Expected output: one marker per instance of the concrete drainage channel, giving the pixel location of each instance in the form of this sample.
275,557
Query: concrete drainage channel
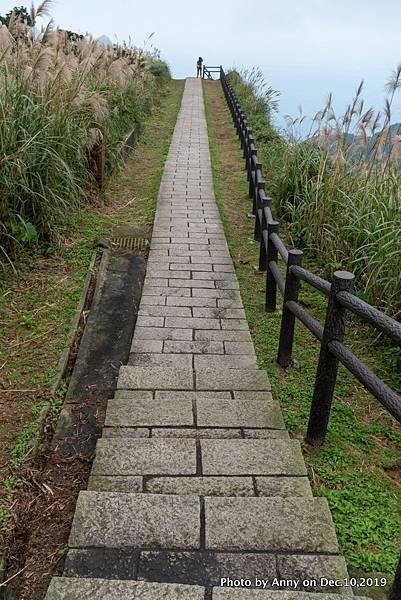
104,348
105,322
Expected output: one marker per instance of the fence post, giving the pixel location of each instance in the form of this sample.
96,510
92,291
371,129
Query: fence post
395,593
235,107
334,329
287,329
272,255
245,144
258,204
248,135
97,161
263,233
251,171
257,186
241,128
249,162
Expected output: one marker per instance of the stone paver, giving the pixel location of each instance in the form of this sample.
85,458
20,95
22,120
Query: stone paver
68,588
206,568
102,563
145,412
195,477
119,483
126,432
167,361
252,457
239,361
270,524
266,434
239,412
201,486
198,433
194,347
153,378
119,520
238,594
144,456
312,567
231,379
283,486
160,333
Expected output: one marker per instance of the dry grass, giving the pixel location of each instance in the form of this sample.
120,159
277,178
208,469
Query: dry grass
338,186
59,96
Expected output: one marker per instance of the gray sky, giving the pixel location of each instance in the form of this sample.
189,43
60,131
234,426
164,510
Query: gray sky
305,49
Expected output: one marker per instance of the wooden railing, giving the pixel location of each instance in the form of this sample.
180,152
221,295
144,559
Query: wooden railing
272,251
207,71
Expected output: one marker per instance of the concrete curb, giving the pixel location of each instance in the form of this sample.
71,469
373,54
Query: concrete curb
63,361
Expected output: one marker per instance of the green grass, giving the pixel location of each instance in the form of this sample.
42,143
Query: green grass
353,470
37,303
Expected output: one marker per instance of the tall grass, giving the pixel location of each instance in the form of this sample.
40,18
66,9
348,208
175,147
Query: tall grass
59,96
339,188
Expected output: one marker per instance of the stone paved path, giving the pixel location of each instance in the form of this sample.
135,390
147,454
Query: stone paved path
195,477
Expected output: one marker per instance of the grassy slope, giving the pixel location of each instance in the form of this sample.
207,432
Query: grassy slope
358,469
36,306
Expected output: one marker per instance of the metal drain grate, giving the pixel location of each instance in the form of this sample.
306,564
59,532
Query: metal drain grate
130,243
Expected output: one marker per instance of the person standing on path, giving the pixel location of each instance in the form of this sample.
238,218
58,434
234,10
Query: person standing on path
199,67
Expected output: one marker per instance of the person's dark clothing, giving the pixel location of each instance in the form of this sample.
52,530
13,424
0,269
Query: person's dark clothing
199,67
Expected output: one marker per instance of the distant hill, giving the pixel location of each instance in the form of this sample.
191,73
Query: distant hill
358,149
103,40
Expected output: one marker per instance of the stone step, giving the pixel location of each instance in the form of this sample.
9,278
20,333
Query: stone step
221,457
75,588
151,378
167,361
205,568
241,594
173,522
203,486
252,457
245,410
145,412
193,432
297,525
69,588
231,379
130,456
146,521
204,378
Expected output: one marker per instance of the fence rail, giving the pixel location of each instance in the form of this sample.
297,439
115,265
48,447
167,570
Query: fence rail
340,301
207,71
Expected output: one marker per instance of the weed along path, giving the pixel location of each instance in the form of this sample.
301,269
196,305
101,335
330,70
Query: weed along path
195,482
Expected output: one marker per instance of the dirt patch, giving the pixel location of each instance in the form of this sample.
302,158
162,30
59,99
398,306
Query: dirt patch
395,474
44,512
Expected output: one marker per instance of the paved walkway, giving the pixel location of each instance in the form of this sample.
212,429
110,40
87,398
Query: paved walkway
195,477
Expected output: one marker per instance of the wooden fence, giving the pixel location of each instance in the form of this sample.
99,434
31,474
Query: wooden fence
272,251
207,72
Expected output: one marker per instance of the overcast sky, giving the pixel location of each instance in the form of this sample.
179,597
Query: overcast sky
304,48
